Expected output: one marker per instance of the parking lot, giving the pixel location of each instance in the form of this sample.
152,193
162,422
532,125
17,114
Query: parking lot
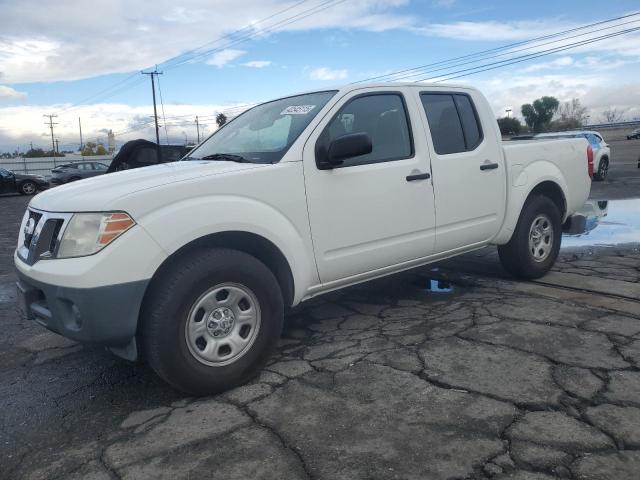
450,371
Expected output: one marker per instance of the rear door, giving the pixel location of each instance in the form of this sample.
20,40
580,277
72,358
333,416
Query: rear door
374,210
468,167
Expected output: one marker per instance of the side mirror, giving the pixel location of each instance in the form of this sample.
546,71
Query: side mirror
348,146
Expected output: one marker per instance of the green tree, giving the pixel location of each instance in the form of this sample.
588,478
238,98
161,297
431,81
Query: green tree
509,126
89,149
538,115
34,153
100,150
221,119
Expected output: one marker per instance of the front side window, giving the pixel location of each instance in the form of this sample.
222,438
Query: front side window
453,122
264,133
381,116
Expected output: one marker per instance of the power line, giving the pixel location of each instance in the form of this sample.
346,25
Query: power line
113,90
270,29
230,34
104,93
523,58
164,119
496,49
511,52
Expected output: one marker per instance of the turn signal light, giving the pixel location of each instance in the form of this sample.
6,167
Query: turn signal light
113,226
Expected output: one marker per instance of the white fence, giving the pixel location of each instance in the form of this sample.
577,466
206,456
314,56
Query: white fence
43,165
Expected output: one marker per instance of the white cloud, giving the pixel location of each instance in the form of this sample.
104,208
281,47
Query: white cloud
257,63
492,30
221,58
595,91
130,37
324,73
8,93
19,124
444,3
550,65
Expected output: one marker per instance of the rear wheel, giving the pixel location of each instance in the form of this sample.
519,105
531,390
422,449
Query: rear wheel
28,187
603,169
535,243
212,320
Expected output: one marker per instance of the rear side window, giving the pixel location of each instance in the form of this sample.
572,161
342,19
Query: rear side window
453,122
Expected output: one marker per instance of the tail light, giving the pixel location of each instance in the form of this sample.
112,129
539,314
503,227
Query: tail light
590,161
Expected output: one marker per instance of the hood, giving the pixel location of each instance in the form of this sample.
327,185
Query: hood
27,176
96,193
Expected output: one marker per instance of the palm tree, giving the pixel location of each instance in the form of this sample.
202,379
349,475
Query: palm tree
221,119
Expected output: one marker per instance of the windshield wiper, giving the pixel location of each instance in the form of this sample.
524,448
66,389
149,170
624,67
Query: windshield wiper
226,157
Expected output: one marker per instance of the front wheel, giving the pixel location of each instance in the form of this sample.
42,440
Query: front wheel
28,188
211,321
535,243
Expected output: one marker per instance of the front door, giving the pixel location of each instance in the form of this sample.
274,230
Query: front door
374,210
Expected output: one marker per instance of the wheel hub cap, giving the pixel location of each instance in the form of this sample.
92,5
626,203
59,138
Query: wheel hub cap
541,238
220,322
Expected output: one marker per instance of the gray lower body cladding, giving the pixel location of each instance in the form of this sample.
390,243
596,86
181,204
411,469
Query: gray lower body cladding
106,315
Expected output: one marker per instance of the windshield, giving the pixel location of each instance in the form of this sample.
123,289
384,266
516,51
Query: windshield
264,133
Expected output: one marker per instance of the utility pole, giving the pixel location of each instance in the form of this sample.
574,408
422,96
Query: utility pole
508,110
153,92
51,123
80,125
198,128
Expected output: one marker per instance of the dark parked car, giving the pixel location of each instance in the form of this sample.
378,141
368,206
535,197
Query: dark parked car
142,153
23,183
634,134
71,172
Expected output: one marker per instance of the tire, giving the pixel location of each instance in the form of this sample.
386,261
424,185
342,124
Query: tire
603,170
517,256
188,326
28,188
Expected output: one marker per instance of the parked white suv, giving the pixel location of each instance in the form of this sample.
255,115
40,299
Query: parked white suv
601,150
193,264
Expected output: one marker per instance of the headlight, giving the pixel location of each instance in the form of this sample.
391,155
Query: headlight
88,233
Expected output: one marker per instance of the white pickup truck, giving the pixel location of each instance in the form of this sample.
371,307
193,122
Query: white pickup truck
192,264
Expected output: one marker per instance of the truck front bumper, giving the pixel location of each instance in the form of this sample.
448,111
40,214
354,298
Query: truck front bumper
106,315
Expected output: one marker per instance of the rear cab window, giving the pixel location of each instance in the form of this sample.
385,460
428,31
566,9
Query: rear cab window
453,122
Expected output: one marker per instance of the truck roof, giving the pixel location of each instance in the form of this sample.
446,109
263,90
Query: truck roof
356,86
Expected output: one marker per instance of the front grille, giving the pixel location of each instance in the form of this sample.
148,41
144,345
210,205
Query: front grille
41,240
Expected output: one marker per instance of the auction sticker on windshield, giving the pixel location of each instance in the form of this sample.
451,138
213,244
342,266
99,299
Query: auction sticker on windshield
297,110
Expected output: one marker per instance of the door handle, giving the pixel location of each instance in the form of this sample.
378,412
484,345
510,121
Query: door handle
489,166
418,176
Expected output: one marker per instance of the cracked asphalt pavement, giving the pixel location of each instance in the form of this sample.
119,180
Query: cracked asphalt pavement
489,378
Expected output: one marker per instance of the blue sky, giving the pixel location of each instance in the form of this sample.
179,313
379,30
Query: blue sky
52,66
